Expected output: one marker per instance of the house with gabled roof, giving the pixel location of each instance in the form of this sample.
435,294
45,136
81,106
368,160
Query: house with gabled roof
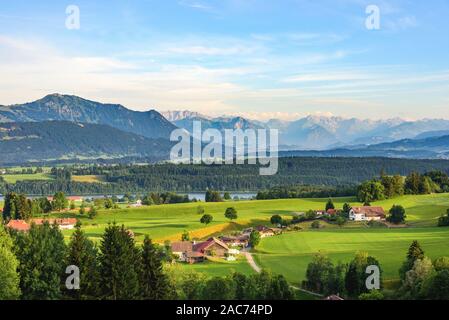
212,247
367,213
18,225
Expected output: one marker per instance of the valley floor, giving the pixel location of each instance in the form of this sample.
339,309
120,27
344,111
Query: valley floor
289,253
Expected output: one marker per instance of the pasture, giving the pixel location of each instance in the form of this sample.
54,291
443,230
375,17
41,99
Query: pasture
13,178
168,222
289,254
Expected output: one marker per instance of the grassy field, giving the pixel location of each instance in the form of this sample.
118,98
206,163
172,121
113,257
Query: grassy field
220,267
168,222
88,179
289,254
13,178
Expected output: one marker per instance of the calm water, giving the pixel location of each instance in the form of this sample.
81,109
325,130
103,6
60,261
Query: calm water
197,195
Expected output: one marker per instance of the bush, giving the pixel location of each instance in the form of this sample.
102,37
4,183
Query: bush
316,225
373,295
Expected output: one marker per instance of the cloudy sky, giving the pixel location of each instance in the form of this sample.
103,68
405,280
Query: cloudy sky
259,58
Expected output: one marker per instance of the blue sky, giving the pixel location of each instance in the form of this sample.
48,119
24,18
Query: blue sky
261,59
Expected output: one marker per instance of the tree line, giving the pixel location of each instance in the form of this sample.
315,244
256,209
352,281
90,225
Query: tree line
420,277
323,172
415,183
33,266
19,207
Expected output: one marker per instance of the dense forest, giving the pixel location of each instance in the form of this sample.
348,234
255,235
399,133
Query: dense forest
323,172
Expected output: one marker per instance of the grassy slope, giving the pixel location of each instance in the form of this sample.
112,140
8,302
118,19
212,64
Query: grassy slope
290,253
167,222
13,178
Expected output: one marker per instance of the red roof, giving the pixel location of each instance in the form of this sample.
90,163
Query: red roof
370,211
331,211
19,225
202,246
184,246
59,222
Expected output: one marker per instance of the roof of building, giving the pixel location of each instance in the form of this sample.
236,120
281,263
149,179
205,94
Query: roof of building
19,225
331,211
370,211
59,222
182,246
243,237
200,247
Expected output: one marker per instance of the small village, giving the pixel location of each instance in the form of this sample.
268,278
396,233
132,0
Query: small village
228,247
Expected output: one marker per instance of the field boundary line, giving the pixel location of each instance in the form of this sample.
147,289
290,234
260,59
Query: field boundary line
255,267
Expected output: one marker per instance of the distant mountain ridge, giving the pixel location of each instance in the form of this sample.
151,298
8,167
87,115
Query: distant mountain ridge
313,132
59,107
64,140
316,132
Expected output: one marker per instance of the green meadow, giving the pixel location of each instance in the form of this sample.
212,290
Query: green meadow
168,222
289,253
13,178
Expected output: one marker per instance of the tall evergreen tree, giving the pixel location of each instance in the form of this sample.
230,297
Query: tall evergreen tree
355,279
41,255
154,283
9,277
330,204
120,264
415,252
83,254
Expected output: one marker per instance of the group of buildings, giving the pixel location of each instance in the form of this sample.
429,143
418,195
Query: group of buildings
225,247
364,213
24,226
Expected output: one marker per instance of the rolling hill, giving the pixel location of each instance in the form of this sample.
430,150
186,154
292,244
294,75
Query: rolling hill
64,140
150,124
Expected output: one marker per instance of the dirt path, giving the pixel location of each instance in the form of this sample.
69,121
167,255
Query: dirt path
252,263
255,267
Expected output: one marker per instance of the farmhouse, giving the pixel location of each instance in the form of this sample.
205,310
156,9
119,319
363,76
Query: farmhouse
236,241
268,232
367,214
22,225
212,247
64,224
180,249
192,252
18,225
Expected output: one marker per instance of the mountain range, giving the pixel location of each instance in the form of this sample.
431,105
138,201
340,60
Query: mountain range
111,130
322,132
70,141
150,124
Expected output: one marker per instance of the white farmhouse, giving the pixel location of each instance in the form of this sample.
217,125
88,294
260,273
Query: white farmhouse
367,214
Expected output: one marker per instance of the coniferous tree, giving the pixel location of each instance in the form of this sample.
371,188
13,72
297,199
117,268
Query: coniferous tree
330,204
154,283
41,255
415,252
9,277
119,265
83,254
